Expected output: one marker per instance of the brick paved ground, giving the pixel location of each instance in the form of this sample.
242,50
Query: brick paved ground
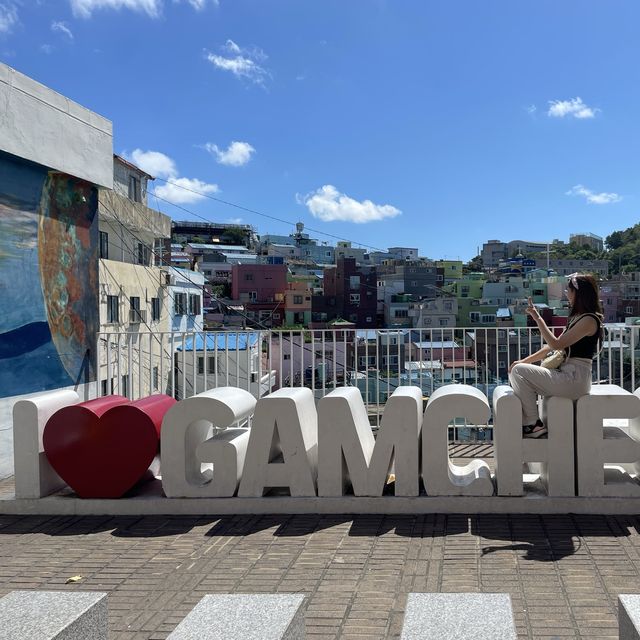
563,572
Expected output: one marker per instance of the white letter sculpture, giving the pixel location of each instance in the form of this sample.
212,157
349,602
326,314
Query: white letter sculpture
440,476
285,422
34,476
555,454
185,444
597,445
348,452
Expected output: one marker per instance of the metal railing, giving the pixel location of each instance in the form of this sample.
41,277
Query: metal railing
376,361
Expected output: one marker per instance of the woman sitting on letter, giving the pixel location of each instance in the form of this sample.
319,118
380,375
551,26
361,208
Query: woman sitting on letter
579,341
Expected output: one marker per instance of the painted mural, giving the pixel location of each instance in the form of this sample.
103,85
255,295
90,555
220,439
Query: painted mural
48,278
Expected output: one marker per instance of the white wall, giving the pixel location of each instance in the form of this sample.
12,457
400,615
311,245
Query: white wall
40,125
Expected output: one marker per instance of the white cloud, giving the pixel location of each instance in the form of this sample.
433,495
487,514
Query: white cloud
593,198
199,5
232,47
154,163
531,109
574,108
84,8
234,220
62,27
8,17
328,204
236,155
176,190
242,62
182,190
46,49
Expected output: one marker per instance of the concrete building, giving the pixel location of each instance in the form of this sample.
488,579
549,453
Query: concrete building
415,278
55,155
314,359
492,252
396,311
599,268
345,250
212,233
591,240
260,288
297,303
221,359
452,270
133,297
403,253
185,302
350,293
434,312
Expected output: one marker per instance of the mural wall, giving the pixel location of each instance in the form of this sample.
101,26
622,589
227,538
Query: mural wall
48,278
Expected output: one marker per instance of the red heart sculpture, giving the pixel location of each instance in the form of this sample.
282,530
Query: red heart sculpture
101,448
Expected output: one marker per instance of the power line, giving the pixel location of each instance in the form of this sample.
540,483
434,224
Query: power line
254,211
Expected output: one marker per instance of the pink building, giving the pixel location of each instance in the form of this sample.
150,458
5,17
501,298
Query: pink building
610,298
261,288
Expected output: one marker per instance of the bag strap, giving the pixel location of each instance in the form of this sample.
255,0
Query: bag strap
600,327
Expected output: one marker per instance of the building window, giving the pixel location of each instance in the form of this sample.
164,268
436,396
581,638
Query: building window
444,322
524,351
156,378
354,298
253,296
286,356
501,364
125,386
248,277
354,282
135,315
143,254
502,347
488,318
194,304
180,304
439,278
134,189
104,245
113,315
474,316
297,299
401,313
628,309
212,365
107,387
368,319
155,309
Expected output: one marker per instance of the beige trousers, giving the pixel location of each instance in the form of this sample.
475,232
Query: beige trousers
571,380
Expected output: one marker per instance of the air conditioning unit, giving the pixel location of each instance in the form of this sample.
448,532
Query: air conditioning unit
137,316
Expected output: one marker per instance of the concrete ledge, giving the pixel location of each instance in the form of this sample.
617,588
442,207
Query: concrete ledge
49,615
140,506
629,617
244,617
458,616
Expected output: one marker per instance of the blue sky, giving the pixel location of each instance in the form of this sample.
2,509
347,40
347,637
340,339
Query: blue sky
436,124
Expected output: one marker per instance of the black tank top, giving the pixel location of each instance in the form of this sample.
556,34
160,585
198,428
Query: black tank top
586,347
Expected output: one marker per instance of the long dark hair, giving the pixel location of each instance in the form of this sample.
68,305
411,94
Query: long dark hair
587,296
